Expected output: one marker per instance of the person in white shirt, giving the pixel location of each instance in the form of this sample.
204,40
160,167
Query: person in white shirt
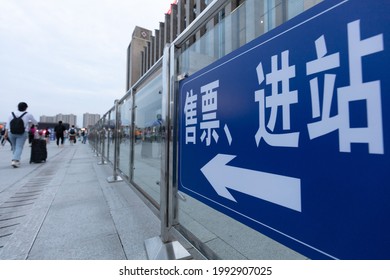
19,138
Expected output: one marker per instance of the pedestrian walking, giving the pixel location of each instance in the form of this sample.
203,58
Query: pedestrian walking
72,135
84,135
3,139
59,130
17,131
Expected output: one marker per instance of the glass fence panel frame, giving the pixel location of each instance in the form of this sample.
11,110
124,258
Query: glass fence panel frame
100,137
147,144
105,135
111,136
125,135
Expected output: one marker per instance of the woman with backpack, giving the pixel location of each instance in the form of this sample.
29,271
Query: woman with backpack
17,131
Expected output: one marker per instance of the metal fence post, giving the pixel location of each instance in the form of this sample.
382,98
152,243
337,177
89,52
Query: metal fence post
163,247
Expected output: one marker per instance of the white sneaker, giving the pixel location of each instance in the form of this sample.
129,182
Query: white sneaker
15,163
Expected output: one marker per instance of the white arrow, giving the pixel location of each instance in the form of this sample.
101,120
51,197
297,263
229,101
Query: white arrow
278,189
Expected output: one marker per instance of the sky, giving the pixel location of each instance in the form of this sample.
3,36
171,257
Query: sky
68,56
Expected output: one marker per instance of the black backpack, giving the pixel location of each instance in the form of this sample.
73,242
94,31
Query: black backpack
17,124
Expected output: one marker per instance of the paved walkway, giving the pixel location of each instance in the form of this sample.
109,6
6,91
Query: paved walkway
65,209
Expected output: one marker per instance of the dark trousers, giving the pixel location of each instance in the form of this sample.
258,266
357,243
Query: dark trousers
30,137
60,136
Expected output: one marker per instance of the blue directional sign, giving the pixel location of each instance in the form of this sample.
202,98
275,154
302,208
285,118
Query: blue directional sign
290,134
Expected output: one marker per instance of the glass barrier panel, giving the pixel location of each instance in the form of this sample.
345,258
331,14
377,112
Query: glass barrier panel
96,136
102,138
125,136
147,138
107,132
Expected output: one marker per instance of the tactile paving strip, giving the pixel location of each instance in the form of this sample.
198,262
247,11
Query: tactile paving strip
15,210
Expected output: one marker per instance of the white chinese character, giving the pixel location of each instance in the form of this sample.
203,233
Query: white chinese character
370,92
209,107
283,99
357,91
191,119
327,123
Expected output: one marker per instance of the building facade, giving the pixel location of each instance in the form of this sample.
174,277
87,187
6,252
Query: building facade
90,119
65,118
235,27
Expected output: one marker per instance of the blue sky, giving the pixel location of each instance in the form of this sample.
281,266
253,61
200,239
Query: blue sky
68,56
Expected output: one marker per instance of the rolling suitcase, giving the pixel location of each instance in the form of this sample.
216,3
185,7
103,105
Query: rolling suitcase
38,151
